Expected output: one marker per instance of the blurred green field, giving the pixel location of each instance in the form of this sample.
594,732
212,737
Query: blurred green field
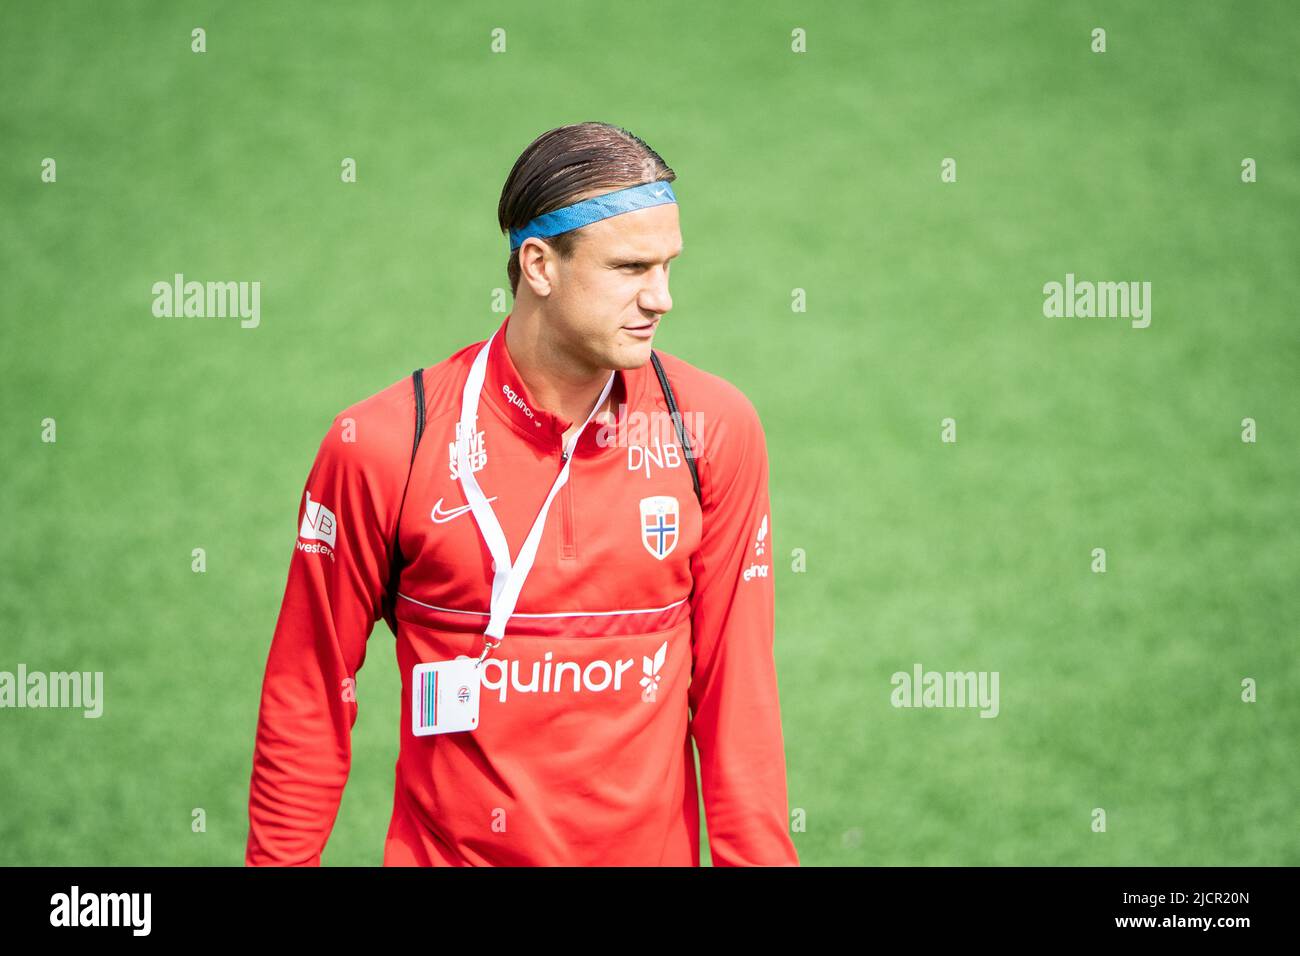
816,171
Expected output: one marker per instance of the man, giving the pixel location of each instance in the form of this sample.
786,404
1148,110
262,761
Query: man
569,614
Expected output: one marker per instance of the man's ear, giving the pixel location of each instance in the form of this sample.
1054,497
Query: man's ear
537,266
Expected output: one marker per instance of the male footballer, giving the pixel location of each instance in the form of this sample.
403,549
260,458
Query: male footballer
570,538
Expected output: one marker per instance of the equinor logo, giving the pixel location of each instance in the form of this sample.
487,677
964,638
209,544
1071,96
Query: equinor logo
513,398
549,676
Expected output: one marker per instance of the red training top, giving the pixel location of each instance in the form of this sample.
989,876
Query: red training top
640,605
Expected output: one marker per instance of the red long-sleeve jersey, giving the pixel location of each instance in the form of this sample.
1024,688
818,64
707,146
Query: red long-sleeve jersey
647,620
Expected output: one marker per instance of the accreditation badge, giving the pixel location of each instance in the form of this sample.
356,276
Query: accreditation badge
444,697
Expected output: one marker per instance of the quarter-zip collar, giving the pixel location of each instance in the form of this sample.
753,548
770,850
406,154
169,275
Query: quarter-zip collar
505,391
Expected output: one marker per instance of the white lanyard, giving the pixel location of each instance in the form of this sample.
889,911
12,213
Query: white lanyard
509,578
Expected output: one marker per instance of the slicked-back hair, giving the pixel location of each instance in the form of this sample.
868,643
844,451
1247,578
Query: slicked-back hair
563,163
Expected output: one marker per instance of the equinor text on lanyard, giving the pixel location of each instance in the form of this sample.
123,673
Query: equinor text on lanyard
509,578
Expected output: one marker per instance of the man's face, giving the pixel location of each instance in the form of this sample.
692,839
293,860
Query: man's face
615,281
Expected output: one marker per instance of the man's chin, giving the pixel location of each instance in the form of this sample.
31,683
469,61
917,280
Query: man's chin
633,354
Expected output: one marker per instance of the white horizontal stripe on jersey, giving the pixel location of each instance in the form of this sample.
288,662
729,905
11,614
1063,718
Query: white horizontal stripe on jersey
452,610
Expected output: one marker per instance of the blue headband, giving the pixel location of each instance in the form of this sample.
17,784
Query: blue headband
593,210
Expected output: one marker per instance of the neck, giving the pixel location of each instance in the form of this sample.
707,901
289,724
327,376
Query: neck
559,382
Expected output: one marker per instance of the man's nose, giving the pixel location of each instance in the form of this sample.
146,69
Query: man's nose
655,296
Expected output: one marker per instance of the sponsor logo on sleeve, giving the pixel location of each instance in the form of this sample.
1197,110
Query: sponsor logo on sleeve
318,525
757,570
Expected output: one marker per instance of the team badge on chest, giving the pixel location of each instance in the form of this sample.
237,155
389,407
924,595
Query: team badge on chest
659,525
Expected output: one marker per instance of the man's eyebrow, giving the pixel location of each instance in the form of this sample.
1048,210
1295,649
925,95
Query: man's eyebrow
634,261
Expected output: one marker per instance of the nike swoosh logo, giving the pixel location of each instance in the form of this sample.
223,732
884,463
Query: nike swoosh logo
442,517
660,192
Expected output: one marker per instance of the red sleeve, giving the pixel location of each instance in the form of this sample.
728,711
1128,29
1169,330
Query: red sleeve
736,716
333,597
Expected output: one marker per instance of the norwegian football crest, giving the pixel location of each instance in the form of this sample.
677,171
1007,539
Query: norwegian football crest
659,525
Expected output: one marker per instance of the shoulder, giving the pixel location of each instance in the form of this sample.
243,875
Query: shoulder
376,435
372,433
716,407
724,427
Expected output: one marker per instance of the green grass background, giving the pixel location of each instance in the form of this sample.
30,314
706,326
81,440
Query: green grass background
817,171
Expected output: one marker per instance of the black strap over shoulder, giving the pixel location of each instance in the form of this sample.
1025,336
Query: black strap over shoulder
395,560
417,384
677,422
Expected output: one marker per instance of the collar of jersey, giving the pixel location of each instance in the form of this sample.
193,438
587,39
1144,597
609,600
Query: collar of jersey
522,413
